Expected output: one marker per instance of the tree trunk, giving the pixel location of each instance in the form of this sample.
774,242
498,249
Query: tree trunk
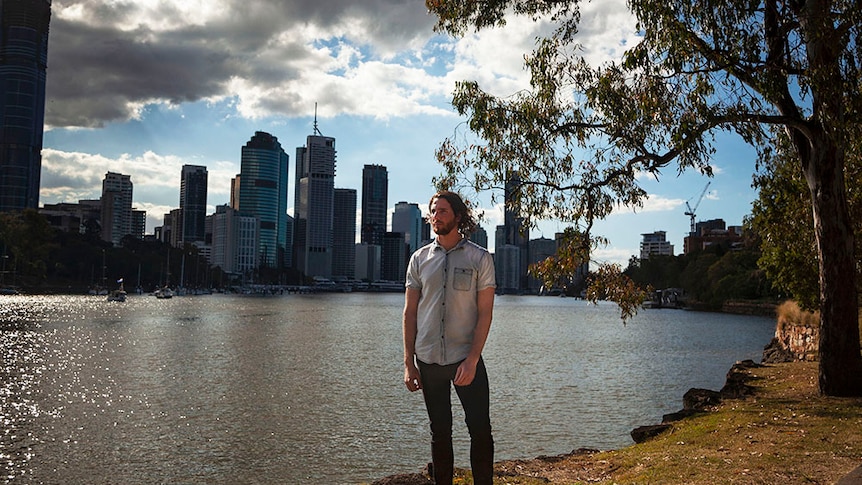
840,360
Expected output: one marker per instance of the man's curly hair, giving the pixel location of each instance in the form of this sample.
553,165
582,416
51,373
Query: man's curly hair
467,224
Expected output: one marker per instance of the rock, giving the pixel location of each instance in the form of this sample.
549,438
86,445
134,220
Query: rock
700,399
852,478
775,353
678,416
404,479
735,386
646,433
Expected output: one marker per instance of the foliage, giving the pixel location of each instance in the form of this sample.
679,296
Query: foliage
578,140
610,283
27,240
781,218
42,258
709,277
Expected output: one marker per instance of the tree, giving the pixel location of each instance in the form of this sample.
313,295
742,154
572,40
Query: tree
781,219
580,136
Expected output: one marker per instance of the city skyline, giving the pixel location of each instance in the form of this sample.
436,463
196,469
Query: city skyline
383,92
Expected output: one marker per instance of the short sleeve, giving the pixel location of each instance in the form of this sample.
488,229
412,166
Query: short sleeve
413,280
487,277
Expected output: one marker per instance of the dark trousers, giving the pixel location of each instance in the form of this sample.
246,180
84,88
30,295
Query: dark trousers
475,400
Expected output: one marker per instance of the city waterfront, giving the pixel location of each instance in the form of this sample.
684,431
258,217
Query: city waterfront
307,388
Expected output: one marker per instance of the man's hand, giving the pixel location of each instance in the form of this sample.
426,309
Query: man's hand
411,378
466,372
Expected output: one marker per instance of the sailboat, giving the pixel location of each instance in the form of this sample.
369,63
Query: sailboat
119,294
6,290
165,291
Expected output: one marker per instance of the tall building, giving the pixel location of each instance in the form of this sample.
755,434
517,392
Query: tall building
176,230
407,219
344,234
375,203
193,202
139,223
507,262
655,243
710,233
234,242
263,194
480,236
116,207
314,205
394,257
540,250
516,232
368,262
23,62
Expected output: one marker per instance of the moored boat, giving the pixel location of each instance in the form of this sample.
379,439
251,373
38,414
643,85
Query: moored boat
164,293
119,294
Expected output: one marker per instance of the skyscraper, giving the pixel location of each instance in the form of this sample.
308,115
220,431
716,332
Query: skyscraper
23,61
314,205
263,194
394,258
234,241
407,219
116,207
344,234
193,202
375,203
516,232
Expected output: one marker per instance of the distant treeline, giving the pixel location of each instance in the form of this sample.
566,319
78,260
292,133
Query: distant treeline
709,277
40,258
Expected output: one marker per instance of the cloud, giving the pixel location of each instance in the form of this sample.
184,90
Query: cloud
613,255
654,203
72,176
108,59
62,169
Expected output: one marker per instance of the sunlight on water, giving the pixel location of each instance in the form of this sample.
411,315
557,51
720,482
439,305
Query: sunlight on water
307,389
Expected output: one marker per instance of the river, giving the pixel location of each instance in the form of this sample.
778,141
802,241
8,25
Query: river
300,389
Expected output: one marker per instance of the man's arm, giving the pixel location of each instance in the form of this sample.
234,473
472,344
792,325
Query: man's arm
467,370
409,329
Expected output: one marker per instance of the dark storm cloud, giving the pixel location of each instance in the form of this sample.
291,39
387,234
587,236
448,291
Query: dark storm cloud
113,57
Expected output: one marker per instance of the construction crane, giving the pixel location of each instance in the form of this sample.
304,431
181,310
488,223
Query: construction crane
691,210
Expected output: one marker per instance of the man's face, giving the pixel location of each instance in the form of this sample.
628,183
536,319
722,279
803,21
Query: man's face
443,219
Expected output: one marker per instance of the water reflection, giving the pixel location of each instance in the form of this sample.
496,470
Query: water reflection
307,389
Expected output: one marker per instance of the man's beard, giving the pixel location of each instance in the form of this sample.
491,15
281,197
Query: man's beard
445,229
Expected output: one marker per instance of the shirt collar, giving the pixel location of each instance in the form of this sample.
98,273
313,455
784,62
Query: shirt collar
460,244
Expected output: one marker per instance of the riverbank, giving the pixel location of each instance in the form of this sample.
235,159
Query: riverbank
781,432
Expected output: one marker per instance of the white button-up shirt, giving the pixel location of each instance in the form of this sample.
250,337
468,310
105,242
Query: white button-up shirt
447,311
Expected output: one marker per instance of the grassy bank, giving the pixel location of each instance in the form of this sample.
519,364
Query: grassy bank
785,433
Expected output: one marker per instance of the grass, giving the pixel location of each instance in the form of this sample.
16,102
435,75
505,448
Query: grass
784,434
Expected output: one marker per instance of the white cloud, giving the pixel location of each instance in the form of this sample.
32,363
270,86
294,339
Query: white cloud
73,176
613,255
368,58
654,203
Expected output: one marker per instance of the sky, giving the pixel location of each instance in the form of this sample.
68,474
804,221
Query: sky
143,87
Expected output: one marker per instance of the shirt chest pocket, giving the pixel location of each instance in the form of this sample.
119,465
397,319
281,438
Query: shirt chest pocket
463,279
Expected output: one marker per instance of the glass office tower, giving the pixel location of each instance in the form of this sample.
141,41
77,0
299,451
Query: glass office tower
193,202
375,204
263,194
23,61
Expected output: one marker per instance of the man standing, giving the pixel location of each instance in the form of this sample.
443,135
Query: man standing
449,301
